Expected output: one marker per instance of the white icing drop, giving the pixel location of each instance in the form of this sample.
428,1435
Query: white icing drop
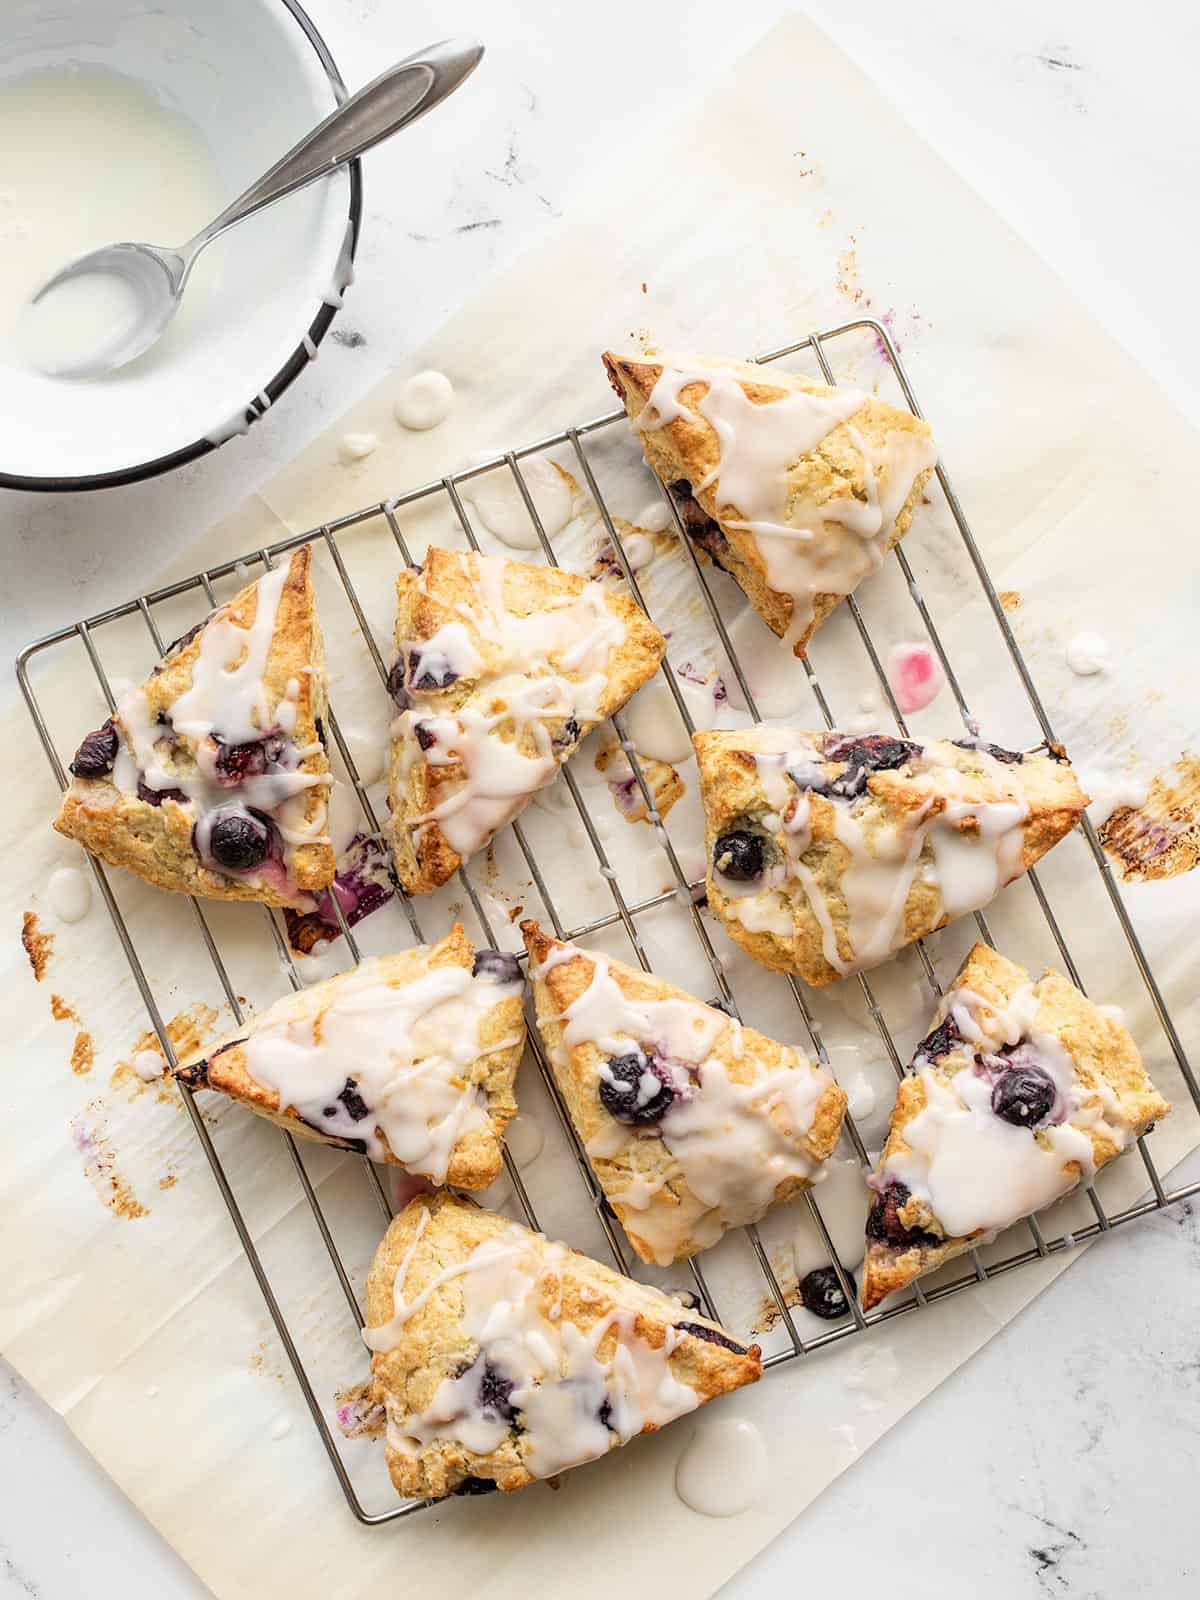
733,1143
561,1374
280,1428
499,506
860,1096
357,447
803,544
424,401
524,1139
409,1049
654,518
148,1064
723,1468
69,894
1087,654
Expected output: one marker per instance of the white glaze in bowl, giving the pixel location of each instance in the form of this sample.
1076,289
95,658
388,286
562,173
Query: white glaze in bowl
253,76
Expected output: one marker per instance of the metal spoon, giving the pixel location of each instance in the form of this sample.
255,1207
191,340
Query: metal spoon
158,276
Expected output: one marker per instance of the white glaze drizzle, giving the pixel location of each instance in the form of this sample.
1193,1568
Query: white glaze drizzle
424,401
408,1048
732,1143
976,1171
551,664
561,1374
802,543
69,894
723,1468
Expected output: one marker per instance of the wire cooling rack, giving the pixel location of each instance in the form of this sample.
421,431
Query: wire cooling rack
625,912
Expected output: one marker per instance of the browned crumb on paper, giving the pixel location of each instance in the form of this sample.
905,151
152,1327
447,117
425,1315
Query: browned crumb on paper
100,1166
848,282
168,1181
187,1031
1161,837
61,1010
1011,599
662,780
39,946
359,1414
83,1054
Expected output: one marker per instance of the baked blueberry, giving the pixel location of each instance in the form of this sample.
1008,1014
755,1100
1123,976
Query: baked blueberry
497,964
569,734
429,669
237,762
874,752
604,1415
883,1220
939,1042
822,1294
740,855
710,1336
184,639
625,1094
354,1103
96,754
155,797
426,737
320,727
495,1393
1024,1095
240,840
397,687
476,1486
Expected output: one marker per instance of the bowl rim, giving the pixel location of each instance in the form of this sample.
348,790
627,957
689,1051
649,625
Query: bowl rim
287,374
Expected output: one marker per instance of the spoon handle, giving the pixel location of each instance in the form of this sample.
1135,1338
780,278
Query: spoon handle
384,106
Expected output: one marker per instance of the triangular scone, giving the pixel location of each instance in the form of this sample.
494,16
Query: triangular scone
795,489
501,669
1020,1092
501,1357
692,1123
212,778
407,1058
828,852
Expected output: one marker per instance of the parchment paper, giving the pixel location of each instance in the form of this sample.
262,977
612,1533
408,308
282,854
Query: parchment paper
794,197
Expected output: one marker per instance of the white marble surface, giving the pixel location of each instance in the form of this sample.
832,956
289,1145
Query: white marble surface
1059,1461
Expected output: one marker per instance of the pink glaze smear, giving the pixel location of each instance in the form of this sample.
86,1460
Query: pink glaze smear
915,675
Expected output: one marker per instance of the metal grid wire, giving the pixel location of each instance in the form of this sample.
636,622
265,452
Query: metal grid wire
623,912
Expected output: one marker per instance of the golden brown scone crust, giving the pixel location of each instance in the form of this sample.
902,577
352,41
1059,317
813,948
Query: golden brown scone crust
688,448
431,597
434,1344
156,841
731,791
577,1073
478,1157
1104,1054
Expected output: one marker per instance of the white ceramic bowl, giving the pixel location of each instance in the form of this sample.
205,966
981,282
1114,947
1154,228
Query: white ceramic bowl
253,76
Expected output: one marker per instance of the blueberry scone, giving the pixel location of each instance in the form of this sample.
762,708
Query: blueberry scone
693,1123
406,1058
501,1357
501,669
797,490
1020,1092
211,778
828,852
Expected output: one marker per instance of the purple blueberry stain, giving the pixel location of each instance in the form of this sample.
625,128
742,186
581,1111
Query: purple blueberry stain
497,965
939,1042
711,1336
397,686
